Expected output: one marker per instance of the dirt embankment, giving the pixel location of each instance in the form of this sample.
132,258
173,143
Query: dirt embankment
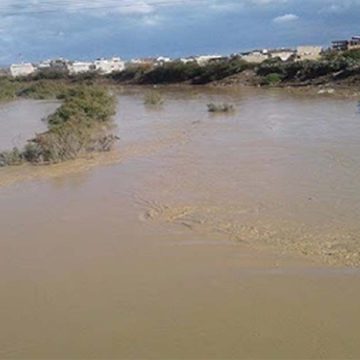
347,85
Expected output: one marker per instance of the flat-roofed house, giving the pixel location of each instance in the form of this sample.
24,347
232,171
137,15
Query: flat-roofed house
309,52
282,54
108,66
80,67
354,43
143,62
44,65
256,56
343,45
190,59
340,45
205,59
24,69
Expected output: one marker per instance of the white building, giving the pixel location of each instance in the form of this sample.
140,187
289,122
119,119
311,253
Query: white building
108,66
282,54
204,59
46,64
309,52
80,67
161,60
257,56
25,69
188,60
143,62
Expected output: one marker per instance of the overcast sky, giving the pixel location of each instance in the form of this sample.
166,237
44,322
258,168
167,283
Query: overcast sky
31,30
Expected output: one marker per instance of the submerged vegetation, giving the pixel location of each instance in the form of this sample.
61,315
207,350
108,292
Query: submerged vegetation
220,108
44,89
153,98
10,89
80,125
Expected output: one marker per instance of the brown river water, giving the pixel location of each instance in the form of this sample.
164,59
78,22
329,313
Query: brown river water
20,120
201,236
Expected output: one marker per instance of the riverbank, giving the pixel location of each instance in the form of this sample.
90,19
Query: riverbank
334,71
349,88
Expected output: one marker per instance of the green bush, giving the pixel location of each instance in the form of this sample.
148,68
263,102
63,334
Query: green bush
305,70
271,66
272,79
178,72
352,54
44,89
173,72
8,89
220,70
81,124
13,157
85,105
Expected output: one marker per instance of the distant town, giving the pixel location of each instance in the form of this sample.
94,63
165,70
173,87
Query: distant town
116,64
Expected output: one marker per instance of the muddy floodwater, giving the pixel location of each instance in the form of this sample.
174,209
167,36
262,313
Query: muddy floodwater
21,120
201,236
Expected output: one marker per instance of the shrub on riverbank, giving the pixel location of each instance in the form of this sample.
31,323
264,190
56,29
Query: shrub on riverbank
180,72
272,79
329,67
80,125
44,89
8,89
11,89
220,70
169,73
12,157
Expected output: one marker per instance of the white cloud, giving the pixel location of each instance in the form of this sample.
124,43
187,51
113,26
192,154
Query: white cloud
226,6
151,20
124,6
334,9
267,2
136,6
287,18
139,7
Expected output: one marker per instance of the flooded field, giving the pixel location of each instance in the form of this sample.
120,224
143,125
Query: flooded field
202,236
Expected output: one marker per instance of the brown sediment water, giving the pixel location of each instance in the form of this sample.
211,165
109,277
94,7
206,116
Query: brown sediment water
201,236
21,120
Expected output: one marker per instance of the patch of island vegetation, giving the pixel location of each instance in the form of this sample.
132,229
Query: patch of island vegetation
220,108
153,98
82,124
